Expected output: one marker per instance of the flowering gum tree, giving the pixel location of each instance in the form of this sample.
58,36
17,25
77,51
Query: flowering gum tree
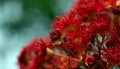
86,37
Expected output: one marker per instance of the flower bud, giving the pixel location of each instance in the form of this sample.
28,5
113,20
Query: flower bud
89,60
55,35
115,10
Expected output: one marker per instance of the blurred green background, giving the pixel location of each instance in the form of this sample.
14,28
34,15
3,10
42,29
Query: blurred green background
23,20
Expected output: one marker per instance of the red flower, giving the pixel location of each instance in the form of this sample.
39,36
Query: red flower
82,35
32,55
101,23
85,32
89,60
25,57
87,7
112,55
67,23
39,47
48,42
40,51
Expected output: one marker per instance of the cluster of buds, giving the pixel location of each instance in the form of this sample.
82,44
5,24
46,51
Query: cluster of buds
86,37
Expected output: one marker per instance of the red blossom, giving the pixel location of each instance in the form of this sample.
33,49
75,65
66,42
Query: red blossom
25,57
23,60
32,55
87,7
101,23
67,23
82,35
39,47
113,55
48,42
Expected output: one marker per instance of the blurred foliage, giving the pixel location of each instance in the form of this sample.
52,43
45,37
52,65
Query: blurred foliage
16,27
43,5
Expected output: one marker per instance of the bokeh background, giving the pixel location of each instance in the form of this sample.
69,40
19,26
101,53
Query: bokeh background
23,20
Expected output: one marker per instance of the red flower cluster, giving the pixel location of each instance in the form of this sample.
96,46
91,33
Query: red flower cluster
112,55
101,23
86,36
32,55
